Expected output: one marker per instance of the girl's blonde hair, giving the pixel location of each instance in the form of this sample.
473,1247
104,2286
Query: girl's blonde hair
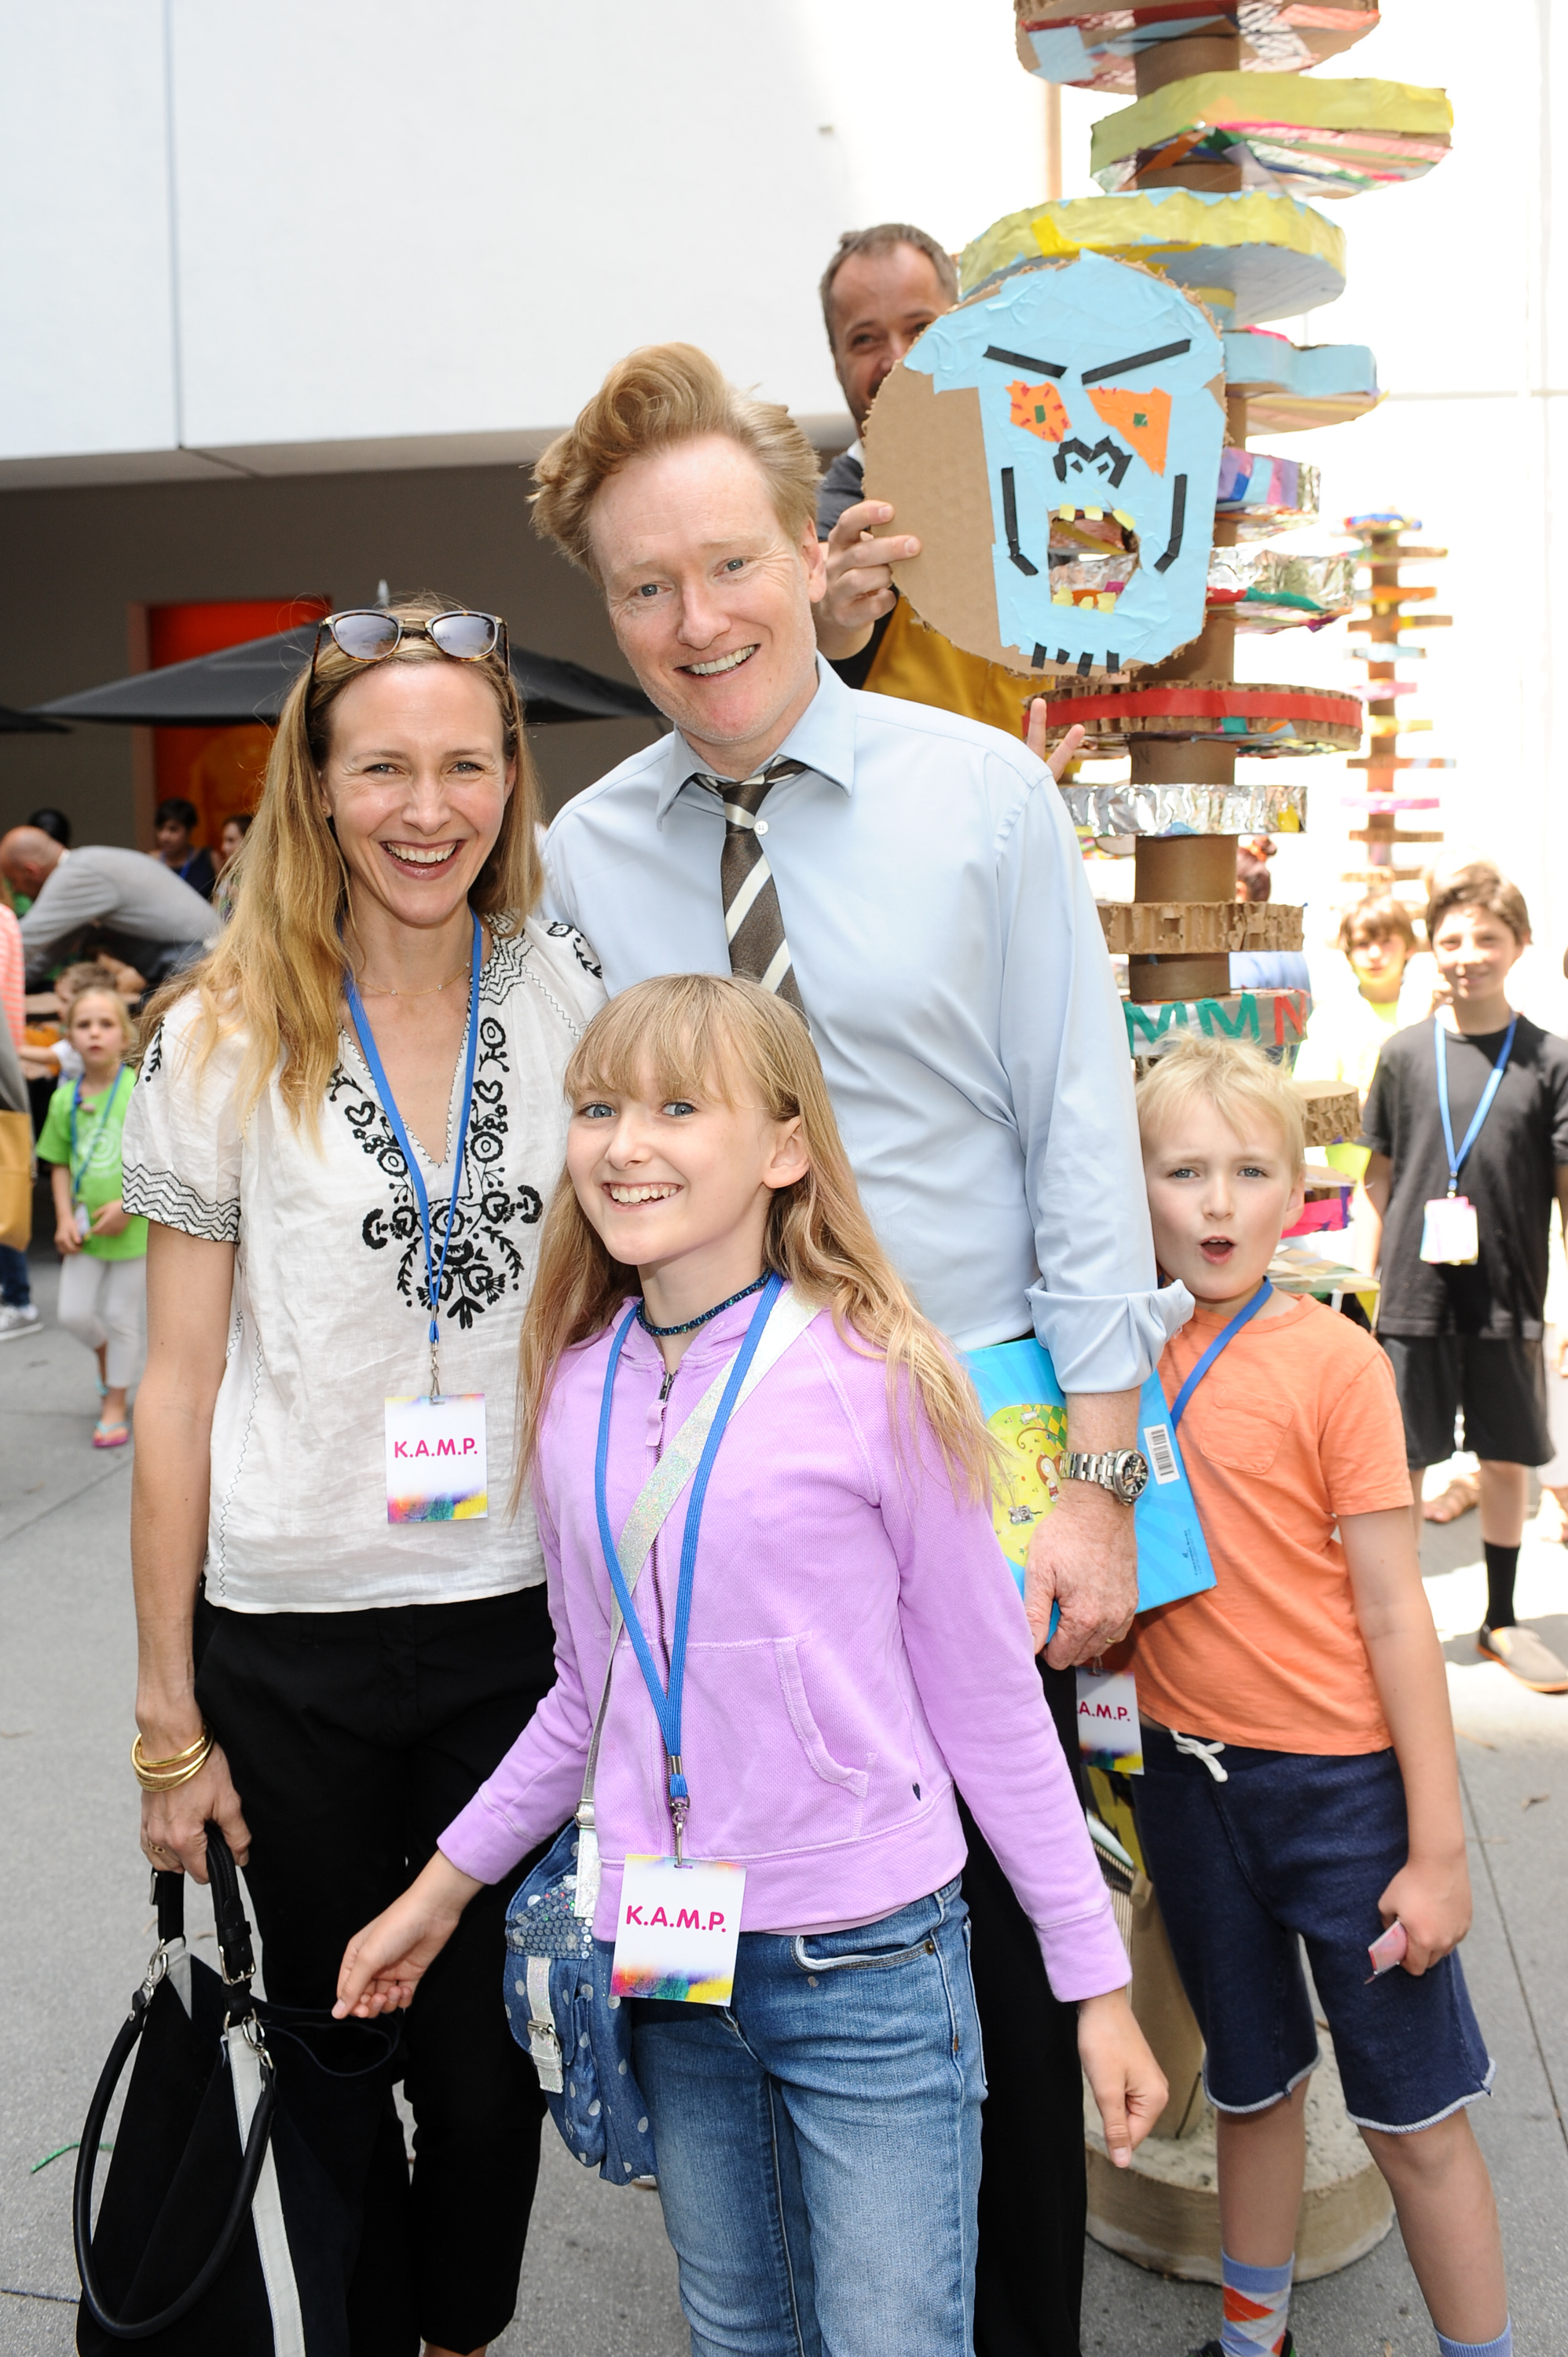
1236,1078
728,1038
275,972
121,1012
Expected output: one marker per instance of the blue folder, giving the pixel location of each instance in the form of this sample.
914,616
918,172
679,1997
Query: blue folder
1024,1406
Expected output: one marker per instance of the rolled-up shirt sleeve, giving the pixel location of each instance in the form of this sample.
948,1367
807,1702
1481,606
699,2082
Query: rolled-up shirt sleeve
1097,1307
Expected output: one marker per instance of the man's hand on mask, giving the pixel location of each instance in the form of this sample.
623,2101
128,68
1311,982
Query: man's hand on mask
860,578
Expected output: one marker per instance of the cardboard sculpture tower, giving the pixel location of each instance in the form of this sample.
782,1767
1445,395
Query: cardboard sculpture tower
1072,446
1389,793
1205,176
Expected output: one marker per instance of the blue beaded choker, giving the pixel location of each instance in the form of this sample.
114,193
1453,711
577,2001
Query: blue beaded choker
663,1333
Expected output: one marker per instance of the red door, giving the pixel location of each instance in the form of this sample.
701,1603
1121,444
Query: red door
218,769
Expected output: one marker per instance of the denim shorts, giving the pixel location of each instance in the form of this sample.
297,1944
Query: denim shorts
1298,1847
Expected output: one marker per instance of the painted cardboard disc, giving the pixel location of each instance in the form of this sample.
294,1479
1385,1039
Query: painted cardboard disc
1073,414
1290,388
1303,139
1250,255
1099,48
1255,720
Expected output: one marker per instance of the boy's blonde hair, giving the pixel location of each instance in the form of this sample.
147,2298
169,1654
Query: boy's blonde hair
655,400
725,1037
1237,1079
121,1012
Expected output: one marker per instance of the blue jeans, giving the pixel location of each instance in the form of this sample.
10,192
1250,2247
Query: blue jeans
818,2141
15,1284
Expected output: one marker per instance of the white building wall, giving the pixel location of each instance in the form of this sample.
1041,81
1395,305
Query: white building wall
395,225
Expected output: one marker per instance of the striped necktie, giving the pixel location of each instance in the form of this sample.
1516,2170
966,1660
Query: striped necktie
754,925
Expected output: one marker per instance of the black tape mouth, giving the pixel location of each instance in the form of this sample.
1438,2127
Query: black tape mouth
1093,555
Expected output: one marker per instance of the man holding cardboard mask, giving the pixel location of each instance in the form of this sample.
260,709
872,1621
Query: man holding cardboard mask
882,289
912,883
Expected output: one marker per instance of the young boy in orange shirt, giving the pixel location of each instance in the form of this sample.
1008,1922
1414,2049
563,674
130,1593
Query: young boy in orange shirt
1299,1772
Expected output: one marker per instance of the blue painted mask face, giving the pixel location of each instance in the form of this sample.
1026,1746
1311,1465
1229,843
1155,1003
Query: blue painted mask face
1102,414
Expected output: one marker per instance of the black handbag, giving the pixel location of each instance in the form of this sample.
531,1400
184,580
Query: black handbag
218,2229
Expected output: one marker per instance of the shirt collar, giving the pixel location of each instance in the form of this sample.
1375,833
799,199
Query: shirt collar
822,738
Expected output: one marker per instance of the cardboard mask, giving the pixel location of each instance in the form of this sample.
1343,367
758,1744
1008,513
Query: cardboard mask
1073,411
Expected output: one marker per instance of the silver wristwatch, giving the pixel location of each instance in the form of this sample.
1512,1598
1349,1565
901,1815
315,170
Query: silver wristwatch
1123,1471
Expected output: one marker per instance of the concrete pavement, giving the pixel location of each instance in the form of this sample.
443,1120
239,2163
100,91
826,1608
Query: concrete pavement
599,2280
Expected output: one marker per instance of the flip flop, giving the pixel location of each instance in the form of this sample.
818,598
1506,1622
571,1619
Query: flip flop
110,1436
1463,1492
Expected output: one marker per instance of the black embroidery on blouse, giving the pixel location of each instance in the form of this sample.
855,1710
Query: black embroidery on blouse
580,950
152,1062
484,1261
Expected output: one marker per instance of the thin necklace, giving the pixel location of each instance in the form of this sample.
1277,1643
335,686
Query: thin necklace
662,1333
388,993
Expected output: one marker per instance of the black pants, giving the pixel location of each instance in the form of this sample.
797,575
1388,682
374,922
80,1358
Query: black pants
1034,2189
353,1739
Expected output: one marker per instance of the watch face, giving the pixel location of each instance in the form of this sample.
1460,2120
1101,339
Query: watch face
1132,1474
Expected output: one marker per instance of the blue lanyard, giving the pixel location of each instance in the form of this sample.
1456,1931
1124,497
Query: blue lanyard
1240,1320
666,1701
79,1168
1494,1083
434,1270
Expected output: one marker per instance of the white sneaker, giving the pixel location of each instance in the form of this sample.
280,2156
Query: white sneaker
14,1321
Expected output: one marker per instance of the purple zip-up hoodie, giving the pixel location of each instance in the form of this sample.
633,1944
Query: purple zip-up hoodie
857,1645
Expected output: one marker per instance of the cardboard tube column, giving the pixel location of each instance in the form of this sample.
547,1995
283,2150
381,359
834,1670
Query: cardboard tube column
1162,861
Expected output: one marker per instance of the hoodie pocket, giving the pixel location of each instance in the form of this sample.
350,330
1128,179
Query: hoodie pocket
764,1780
787,1655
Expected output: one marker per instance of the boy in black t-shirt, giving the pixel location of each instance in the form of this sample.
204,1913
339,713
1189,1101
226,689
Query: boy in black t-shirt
1464,1280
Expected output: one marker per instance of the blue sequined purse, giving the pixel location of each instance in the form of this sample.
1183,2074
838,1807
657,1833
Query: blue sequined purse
559,2003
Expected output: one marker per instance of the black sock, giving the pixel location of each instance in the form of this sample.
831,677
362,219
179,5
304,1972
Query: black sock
1501,1564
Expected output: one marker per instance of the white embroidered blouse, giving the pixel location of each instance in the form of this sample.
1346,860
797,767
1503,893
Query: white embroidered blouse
329,1315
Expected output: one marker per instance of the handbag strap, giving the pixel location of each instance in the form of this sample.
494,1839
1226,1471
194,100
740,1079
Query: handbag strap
236,1955
254,2155
656,1498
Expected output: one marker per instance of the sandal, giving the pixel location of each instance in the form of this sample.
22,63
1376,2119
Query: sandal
1463,1492
110,1436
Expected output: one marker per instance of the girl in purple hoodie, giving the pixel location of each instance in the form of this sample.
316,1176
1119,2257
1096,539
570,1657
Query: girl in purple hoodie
825,1639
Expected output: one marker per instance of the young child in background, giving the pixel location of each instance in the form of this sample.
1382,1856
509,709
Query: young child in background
856,1643
1299,1770
90,974
1463,1282
103,1276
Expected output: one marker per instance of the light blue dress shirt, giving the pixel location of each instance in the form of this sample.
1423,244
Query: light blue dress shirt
950,959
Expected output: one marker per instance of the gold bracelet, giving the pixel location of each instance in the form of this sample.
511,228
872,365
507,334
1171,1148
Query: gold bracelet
166,1781
177,1759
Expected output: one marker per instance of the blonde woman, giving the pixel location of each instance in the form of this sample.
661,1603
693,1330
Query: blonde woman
343,1137
855,1643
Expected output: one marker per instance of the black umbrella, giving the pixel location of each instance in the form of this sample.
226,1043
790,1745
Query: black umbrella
28,723
250,683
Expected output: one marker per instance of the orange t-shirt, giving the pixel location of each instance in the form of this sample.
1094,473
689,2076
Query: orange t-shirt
1296,1423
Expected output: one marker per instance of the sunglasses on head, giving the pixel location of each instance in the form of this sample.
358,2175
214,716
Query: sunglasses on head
368,634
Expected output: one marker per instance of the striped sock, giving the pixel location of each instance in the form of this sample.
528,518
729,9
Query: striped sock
1257,2307
1501,2347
